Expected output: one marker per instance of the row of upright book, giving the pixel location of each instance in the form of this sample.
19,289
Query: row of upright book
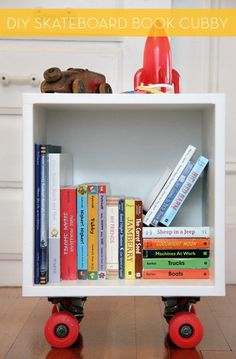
109,234
82,232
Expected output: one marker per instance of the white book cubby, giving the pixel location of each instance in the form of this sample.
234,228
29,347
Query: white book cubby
128,141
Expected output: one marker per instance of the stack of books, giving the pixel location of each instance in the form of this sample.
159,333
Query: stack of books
176,252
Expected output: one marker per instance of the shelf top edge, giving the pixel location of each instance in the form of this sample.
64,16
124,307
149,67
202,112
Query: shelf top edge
123,99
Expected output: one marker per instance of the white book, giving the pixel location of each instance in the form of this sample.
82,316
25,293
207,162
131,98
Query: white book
176,232
112,237
60,173
156,190
169,184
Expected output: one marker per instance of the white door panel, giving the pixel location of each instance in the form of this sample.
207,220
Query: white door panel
11,221
34,57
10,149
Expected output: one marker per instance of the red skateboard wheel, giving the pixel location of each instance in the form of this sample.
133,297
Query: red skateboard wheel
185,330
61,330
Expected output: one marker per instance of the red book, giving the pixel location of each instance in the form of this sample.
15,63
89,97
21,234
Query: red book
68,233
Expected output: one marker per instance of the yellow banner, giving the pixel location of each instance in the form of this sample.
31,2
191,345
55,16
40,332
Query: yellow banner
117,22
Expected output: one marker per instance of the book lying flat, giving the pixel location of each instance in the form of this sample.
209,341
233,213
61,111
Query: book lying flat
165,263
176,232
176,243
176,253
176,274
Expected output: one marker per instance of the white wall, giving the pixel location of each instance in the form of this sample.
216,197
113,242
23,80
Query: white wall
205,66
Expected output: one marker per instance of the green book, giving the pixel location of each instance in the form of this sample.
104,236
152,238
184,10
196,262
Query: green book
188,263
175,253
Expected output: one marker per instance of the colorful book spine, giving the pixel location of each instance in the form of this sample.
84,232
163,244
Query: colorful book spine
169,184
37,209
121,251
173,192
44,263
92,191
176,243
102,191
129,239
112,238
176,274
176,253
184,191
59,174
166,263
138,238
176,232
68,234
82,232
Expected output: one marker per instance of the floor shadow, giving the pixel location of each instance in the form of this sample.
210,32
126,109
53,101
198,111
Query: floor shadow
174,352
74,352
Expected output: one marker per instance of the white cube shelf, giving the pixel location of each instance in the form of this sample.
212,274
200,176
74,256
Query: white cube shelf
128,141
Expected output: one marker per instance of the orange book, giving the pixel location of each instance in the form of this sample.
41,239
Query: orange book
176,243
176,274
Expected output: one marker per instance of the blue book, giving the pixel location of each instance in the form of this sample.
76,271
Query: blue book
37,208
184,191
82,232
174,190
44,235
121,238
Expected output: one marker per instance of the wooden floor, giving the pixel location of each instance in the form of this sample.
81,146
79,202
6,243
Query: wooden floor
115,327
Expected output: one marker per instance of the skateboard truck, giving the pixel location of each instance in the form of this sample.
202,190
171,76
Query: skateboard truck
75,306
175,305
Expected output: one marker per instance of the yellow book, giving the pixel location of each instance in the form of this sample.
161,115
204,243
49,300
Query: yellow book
92,193
129,239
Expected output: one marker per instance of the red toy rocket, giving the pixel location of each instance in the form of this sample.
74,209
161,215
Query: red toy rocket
157,66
